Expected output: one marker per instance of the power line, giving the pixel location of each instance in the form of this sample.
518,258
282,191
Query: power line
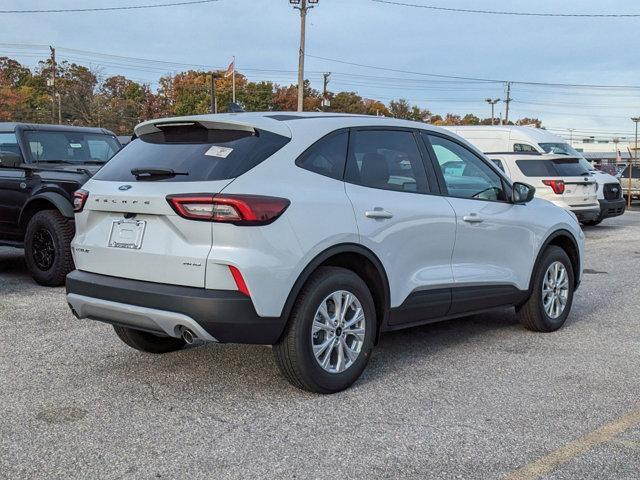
477,79
519,14
104,9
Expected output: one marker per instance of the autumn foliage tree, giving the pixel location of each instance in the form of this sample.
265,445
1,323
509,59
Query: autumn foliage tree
119,103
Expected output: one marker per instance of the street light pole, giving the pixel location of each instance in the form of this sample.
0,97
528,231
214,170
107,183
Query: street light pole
631,160
303,7
492,103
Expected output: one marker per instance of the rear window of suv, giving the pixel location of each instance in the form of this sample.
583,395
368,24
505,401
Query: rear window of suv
197,153
560,167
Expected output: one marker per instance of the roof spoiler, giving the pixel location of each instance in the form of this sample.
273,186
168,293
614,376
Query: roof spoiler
154,126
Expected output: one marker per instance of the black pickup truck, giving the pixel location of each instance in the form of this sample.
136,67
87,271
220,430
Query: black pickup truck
41,166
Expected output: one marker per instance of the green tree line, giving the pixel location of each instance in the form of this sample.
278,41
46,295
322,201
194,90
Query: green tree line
119,103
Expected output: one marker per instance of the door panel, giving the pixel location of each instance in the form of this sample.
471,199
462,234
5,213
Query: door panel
14,191
495,244
411,231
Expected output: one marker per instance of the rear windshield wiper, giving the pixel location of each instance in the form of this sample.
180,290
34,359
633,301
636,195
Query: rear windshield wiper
149,173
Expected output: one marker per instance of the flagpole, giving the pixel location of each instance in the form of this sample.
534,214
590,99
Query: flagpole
233,80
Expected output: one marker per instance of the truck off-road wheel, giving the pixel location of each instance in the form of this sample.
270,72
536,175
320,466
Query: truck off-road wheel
47,247
551,297
330,334
148,342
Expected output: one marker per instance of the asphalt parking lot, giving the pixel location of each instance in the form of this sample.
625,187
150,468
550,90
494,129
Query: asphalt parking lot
472,398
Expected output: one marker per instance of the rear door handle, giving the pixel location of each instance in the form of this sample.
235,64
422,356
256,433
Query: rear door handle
473,218
378,212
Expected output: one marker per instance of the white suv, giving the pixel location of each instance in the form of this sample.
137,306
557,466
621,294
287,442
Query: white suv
313,233
565,181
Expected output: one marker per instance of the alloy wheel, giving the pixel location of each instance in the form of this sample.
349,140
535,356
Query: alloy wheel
338,331
555,289
43,249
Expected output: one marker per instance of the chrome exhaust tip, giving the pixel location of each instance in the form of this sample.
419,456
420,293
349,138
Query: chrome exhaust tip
188,336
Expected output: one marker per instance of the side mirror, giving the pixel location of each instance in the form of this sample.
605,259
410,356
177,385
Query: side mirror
10,159
522,193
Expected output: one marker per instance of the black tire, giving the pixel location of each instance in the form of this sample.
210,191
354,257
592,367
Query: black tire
294,351
592,223
532,314
47,247
148,342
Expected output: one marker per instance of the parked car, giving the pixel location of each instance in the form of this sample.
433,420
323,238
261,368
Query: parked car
124,139
519,139
40,168
634,185
314,233
562,180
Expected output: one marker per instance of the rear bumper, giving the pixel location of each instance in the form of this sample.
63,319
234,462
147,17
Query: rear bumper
215,315
586,214
612,208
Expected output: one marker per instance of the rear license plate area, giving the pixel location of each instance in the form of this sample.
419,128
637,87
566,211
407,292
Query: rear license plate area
127,234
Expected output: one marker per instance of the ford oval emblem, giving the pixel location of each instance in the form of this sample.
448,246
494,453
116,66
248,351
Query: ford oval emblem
124,187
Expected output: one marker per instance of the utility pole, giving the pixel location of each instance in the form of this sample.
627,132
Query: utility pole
303,6
507,101
325,82
59,108
492,103
632,160
52,84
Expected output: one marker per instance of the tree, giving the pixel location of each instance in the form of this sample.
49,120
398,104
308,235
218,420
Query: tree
375,107
526,121
258,97
347,102
399,108
286,98
470,119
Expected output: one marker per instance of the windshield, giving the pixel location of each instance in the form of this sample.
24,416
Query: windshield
192,153
560,148
70,147
558,167
586,165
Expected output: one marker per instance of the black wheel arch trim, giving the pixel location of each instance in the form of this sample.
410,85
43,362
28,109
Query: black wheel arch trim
557,233
61,203
325,255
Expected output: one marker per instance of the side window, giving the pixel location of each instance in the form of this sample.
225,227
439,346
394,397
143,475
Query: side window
9,143
523,147
386,159
327,156
466,175
498,163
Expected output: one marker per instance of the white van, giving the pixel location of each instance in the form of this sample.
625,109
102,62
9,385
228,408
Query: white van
511,138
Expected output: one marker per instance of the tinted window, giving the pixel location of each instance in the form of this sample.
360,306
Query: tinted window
465,174
386,159
523,147
327,156
203,154
562,148
635,172
498,163
9,143
564,167
75,147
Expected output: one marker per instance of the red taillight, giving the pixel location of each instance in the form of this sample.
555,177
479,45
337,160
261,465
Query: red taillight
235,209
556,185
240,283
79,199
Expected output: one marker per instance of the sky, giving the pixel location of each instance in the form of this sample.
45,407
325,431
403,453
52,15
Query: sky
263,35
